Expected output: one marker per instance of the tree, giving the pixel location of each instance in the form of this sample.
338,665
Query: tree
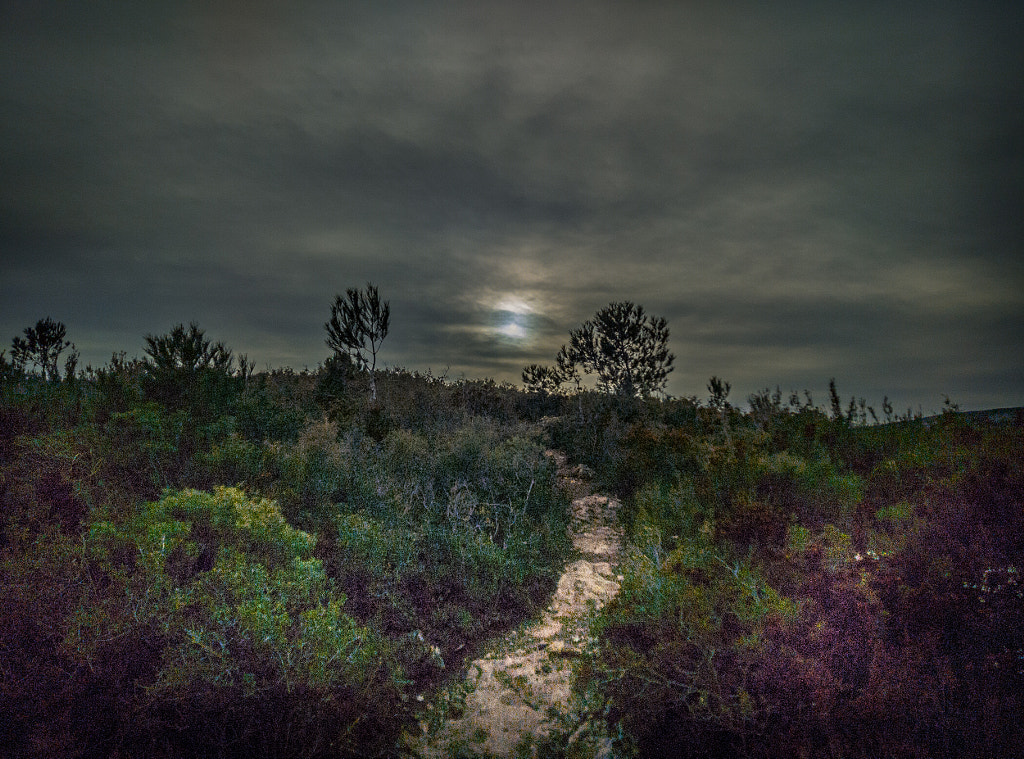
41,347
187,351
543,379
357,327
627,349
186,369
548,379
719,390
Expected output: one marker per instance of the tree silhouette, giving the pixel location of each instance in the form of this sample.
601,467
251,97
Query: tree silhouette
357,327
41,347
622,345
186,351
186,370
719,390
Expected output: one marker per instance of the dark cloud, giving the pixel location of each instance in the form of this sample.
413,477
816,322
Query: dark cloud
803,191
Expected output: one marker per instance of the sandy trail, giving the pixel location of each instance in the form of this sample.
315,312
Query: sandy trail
515,693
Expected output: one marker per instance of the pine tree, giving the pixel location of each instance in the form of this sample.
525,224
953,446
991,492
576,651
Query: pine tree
625,348
357,327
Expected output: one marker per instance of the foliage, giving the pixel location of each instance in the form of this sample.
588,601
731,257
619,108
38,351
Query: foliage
233,618
200,561
116,387
357,327
187,372
810,586
41,347
275,406
549,379
474,515
627,349
719,390
208,622
182,352
453,535
544,379
676,653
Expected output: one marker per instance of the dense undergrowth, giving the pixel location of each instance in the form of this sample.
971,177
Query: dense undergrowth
801,584
216,563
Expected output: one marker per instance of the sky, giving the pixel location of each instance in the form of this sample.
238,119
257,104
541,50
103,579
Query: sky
804,190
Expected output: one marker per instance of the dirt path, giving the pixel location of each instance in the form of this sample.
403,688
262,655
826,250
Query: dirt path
517,691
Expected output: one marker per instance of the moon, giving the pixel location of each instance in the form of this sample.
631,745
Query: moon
512,317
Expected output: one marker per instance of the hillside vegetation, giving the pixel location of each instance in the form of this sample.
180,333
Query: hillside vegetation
203,561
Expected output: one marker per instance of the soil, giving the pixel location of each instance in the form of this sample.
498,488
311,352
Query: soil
521,688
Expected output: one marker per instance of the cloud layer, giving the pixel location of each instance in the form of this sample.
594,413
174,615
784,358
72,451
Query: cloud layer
802,192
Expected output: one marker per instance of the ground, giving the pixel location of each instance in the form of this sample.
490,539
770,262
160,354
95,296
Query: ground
520,689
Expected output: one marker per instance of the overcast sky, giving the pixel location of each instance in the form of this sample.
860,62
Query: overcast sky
803,190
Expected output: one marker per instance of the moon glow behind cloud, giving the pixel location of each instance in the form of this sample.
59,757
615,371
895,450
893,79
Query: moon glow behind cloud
512,319
803,190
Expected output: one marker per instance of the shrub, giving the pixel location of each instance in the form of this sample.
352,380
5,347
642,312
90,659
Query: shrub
115,388
455,536
186,372
39,488
814,491
273,407
234,636
677,646
673,510
140,449
651,454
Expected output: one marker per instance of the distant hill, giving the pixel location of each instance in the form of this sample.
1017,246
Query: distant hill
1013,415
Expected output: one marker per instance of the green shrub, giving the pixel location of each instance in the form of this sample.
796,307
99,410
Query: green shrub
767,492
114,388
236,620
140,449
674,511
40,489
649,454
260,416
676,647
816,491
454,535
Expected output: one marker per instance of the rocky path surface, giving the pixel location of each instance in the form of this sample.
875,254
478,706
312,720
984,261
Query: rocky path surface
516,693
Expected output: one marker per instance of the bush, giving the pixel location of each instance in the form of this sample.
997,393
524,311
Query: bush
877,610
114,388
140,449
40,489
677,647
274,407
235,639
455,536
